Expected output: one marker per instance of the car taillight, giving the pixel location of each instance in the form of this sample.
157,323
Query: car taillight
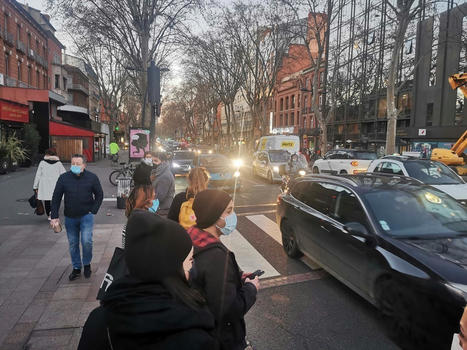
354,163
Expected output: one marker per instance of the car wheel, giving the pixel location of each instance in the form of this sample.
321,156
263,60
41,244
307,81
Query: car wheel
315,170
342,172
289,242
270,179
4,167
412,319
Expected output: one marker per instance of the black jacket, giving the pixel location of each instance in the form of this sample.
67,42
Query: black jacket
137,315
174,211
228,298
83,194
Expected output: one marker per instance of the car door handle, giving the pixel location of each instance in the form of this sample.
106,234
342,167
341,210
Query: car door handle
324,228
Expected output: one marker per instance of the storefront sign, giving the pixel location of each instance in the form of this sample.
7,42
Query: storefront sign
14,112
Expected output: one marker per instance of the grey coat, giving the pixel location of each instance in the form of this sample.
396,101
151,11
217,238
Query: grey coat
164,185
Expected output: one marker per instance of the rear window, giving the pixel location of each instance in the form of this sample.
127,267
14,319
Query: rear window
365,155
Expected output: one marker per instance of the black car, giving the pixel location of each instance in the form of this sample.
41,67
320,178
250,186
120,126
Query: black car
223,174
182,162
398,243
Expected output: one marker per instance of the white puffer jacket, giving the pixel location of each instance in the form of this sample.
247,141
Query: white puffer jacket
47,174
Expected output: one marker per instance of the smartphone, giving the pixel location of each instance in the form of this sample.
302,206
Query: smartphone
254,274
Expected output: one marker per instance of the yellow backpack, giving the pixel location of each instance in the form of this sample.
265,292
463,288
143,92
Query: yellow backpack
187,217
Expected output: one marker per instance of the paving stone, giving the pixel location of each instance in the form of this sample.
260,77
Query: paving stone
50,339
30,284
69,292
60,314
22,297
74,342
10,314
18,336
34,311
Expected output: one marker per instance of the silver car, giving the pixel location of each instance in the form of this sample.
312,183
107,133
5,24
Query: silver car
267,164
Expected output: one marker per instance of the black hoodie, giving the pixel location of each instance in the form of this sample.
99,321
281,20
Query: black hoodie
137,315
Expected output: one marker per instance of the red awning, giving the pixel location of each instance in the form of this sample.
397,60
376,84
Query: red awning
60,129
14,112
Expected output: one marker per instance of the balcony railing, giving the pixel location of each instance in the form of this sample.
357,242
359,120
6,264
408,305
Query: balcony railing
78,87
9,38
41,61
20,46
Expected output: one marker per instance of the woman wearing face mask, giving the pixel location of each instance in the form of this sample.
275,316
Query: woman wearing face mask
217,274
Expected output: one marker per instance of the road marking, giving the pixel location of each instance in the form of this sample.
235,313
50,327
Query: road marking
249,259
256,212
293,279
268,226
110,199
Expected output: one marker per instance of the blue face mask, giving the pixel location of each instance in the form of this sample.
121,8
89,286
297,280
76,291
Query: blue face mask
230,224
75,169
155,206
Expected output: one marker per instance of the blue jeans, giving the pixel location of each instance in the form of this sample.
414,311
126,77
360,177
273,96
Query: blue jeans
74,226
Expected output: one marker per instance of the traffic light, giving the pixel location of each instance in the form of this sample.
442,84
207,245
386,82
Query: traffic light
154,84
117,128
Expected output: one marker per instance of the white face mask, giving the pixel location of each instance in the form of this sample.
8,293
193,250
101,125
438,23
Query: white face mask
147,161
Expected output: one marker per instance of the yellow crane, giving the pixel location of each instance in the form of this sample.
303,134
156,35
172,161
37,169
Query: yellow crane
454,157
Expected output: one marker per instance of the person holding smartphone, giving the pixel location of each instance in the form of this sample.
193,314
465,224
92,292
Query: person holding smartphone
216,273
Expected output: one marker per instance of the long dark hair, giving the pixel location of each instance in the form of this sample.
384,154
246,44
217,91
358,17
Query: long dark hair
180,289
140,197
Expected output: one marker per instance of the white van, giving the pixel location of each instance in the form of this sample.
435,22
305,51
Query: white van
290,143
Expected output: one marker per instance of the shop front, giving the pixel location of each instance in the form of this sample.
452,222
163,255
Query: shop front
68,140
13,116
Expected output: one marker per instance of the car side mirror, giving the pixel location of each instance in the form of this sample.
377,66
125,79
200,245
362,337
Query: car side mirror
358,230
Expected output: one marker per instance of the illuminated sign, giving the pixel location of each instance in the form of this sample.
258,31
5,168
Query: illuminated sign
14,112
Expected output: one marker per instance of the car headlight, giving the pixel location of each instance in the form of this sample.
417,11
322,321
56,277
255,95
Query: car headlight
176,165
236,174
302,172
238,163
275,168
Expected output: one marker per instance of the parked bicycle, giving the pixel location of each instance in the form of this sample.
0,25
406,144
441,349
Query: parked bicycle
126,170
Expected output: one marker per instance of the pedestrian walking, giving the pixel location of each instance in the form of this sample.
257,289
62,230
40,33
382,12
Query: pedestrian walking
83,198
164,182
229,294
198,179
146,166
153,307
47,174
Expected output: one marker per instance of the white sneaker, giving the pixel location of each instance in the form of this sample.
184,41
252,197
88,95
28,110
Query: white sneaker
49,218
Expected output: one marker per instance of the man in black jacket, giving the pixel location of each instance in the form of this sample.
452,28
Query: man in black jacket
83,198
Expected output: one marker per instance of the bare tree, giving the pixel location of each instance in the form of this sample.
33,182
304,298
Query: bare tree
141,30
314,34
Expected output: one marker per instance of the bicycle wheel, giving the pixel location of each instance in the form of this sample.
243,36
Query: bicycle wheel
114,175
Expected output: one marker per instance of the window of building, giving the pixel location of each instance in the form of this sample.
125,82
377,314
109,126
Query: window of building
29,41
38,78
281,120
19,71
5,22
282,104
29,75
304,123
64,84
292,119
46,82
44,50
287,103
292,101
18,31
57,81
7,65
429,114
382,107
298,101
37,46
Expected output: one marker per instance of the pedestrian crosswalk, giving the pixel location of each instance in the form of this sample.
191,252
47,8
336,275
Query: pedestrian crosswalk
268,226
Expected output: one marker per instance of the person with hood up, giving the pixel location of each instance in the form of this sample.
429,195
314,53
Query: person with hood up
153,307
47,174
164,182
228,293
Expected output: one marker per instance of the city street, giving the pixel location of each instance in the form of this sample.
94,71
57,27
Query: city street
299,306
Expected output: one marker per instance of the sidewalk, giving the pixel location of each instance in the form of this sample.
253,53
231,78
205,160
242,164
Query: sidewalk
39,307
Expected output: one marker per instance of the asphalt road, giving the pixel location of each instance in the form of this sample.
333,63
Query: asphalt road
300,305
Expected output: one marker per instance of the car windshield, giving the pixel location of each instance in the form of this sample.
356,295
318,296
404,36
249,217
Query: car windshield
417,212
184,155
279,157
213,160
432,173
365,155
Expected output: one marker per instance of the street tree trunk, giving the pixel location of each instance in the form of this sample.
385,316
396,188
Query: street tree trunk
391,91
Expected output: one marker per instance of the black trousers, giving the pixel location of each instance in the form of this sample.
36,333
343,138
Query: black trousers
47,207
